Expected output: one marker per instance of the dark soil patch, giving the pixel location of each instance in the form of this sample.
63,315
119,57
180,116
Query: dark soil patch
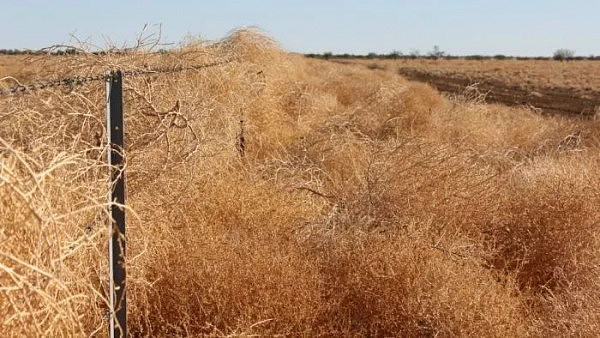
549,100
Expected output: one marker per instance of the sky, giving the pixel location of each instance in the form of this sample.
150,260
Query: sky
459,27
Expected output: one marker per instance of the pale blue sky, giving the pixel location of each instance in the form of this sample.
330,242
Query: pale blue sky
511,27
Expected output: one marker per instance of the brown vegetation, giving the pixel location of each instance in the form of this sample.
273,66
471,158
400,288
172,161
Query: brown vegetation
363,204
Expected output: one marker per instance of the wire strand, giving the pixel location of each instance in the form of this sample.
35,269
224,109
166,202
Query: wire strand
81,80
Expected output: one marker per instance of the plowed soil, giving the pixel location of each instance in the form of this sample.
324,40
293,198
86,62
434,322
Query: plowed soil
549,100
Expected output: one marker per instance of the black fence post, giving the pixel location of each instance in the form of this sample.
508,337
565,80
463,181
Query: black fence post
116,247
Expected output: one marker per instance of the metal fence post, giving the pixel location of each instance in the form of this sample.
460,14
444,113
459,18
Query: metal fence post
116,246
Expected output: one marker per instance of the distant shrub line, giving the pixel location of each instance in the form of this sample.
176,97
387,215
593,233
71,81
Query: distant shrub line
560,55
413,56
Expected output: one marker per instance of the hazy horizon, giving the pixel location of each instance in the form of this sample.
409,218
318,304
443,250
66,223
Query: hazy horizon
464,27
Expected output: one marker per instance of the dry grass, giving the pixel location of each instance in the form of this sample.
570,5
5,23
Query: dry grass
16,66
363,205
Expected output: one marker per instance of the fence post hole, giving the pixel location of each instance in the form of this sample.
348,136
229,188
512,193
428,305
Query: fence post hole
116,245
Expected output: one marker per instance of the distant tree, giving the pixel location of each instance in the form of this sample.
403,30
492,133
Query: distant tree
395,54
500,57
563,54
372,55
414,54
327,55
436,53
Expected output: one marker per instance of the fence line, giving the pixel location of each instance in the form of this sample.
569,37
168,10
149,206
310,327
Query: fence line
81,80
117,190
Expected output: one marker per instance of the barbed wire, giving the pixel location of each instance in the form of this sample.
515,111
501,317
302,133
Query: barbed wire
67,82
81,80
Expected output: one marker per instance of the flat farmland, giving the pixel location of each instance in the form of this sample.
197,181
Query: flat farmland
14,65
571,87
277,195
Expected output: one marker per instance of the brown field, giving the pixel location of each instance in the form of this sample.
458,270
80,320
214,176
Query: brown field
364,204
552,86
14,65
